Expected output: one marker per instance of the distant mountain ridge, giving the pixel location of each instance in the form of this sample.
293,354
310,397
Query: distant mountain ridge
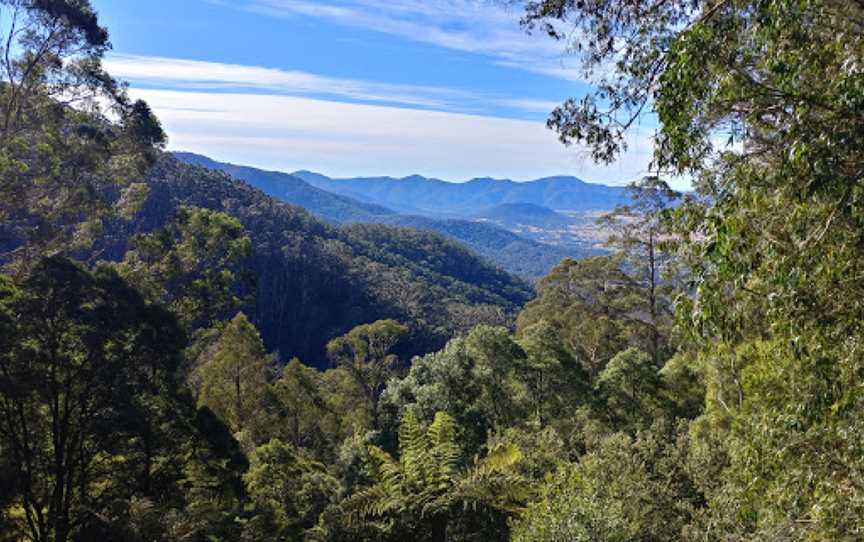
422,195
315,281
291,189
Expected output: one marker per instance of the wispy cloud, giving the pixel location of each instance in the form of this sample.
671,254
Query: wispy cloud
485,27
198,75
346,139
532,106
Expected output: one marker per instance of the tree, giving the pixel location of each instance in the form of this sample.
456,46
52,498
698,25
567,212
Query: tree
556,382
594,306
195,265
302,415
70,138
626,489
442,381
235,378
85,358
289,490
641,231
630,389
473,379
365,353
760,105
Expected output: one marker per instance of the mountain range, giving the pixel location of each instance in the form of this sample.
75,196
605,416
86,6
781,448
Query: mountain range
504,221
292,189
433,197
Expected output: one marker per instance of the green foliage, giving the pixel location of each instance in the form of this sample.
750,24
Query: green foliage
426,489
436,258
683,379
773,235
69,135
234,378
301,411
630,387
194,265
542,449
364,353
87,367
586,424
442,381
289,491
642,237
555,381
593,304
472,379
790,452
626,489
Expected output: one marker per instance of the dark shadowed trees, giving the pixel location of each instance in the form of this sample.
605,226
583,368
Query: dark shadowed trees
85,362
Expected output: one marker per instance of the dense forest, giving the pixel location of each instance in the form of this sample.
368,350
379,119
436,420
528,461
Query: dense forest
184,358
309,282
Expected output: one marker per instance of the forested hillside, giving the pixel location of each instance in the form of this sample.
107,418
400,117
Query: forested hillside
515,254
701,380
314,282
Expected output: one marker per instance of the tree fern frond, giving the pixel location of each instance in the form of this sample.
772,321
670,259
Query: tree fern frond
442,430
413,448
502,457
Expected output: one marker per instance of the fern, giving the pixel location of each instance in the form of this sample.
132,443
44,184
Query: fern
413,450
427,482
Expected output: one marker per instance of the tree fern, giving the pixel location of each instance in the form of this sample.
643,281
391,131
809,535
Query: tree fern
427,486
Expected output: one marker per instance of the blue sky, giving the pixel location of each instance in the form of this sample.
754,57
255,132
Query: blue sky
453,89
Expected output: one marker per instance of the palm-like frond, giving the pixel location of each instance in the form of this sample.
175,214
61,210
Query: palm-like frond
494,482
427,481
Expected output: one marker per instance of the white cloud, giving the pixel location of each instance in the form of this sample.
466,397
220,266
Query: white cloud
531,106
486,27
343,139
200,75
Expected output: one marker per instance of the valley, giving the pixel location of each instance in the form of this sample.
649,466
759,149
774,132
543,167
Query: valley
525,228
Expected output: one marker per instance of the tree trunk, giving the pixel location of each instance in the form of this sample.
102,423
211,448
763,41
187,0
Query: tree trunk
652,300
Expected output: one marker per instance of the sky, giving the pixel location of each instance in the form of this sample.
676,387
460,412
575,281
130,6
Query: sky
452,89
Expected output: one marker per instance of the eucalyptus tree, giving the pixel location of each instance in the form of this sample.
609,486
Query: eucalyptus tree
235,378
365,353
760,104
72,142
594,305
641,232
196,265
